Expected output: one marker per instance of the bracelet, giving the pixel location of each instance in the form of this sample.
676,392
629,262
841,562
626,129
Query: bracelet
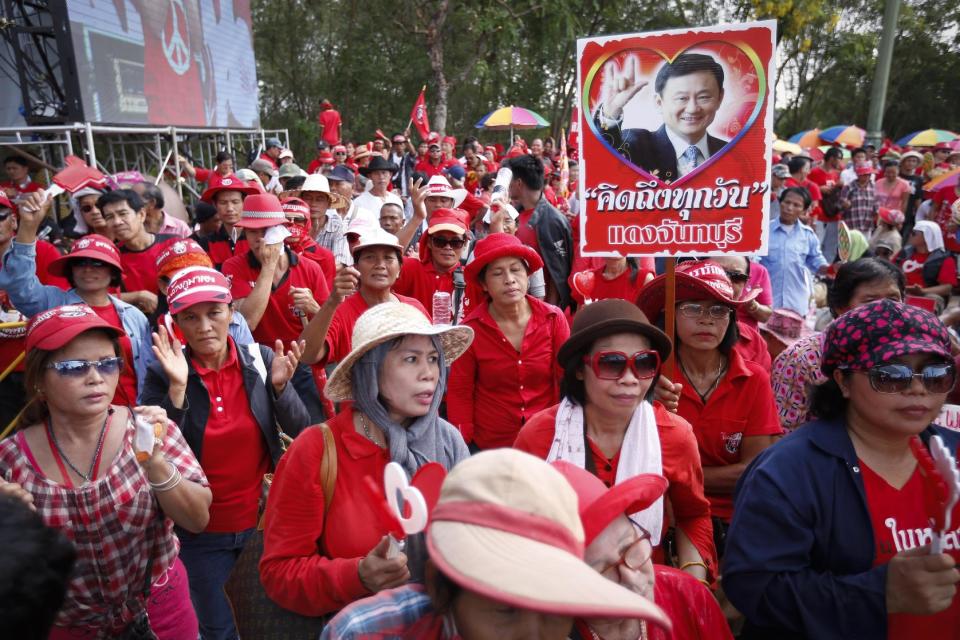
173,486
704,583
160,486
694,564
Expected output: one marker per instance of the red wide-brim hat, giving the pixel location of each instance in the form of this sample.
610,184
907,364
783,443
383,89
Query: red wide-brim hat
500,245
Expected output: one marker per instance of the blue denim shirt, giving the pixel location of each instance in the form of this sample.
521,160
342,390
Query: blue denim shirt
29,296
792,249
799,552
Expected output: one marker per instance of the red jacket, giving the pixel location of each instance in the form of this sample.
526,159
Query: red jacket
681,467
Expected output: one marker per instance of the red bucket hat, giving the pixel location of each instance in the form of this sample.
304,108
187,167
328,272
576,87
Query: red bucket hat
179,255
195,285
500,245
695,280
880,331
261,211
228,183
92,246
599,506
55,328
893,217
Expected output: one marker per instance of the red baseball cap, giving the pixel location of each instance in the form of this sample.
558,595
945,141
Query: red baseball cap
454,220
228,183
54,328
180,255
92,246
5,202
450,140
599,506
197,284
696,279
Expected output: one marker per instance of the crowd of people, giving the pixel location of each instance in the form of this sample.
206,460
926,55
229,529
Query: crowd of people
201,396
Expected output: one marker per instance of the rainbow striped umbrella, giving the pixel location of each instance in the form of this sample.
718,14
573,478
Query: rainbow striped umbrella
928,138
808,139
844,134
510,118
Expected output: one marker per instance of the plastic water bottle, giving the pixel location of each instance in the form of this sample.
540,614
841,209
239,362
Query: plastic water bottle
441,307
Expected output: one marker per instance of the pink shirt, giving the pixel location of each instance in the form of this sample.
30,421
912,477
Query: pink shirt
891,197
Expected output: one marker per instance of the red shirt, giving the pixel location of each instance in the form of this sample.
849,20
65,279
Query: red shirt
329,119
900,522
221,247
293,573
28,186
140,267
308,248
420,279
494,389
126,393
314,166
234,455
741,406
47,253
913,270
526,233
340,334
281,320
752,347
620,287
429,169
265,156
681,467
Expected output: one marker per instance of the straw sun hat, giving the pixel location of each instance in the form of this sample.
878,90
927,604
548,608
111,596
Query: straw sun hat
383,323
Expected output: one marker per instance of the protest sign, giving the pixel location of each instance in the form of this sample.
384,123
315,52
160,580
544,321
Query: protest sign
676,137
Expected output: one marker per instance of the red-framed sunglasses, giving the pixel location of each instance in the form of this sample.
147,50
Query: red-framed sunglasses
611,365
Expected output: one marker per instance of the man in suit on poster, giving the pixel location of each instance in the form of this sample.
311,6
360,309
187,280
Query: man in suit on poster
688,92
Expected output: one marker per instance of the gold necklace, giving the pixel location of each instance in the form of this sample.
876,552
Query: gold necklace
368,433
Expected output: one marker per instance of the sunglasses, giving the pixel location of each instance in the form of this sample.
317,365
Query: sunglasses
633,557
737,276
897,378
80,368
612,365
5,215
89,262
87,208
697,310
442,243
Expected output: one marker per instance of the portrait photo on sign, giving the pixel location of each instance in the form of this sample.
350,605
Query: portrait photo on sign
669,117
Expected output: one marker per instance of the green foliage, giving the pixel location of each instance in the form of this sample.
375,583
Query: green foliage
371,59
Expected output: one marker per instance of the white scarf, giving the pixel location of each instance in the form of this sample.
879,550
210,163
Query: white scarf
639,453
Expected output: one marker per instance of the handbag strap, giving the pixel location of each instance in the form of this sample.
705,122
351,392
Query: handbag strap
328,467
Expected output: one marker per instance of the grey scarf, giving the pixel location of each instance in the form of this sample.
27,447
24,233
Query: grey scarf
429,438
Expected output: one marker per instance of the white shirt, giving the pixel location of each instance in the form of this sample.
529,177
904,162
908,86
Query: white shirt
680,147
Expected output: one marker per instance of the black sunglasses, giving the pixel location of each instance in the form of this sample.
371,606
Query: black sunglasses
5,215
897,378
454,243
88,262
737,276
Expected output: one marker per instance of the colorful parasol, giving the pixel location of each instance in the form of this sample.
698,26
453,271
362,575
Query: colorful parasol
810,138
844,134
943,181
928,138
510,118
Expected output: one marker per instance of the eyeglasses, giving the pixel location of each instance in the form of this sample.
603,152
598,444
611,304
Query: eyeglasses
897,378
698,310
612,365
633,557
87,208
89,262
441,243
737,276
80,368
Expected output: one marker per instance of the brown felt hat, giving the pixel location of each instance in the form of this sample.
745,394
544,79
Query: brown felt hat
609,317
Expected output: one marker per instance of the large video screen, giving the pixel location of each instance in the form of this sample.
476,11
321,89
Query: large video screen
187,63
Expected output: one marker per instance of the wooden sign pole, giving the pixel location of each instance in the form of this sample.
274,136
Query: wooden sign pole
669,311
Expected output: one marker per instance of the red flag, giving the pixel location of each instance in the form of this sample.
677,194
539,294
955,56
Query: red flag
573,140
564,167
418,116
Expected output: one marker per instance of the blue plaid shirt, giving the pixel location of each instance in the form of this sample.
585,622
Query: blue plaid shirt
388,614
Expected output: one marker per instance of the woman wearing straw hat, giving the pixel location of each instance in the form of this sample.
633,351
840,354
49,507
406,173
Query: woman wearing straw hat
621,551
605,424
727,399
509,373
394,376
76,458
506,563
831,536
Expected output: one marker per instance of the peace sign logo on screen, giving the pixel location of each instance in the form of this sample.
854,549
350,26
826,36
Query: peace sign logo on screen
176,39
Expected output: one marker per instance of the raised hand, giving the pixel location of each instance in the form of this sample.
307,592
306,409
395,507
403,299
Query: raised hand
169,353
346,282
377,572
30,215
418,195
284,364
620,85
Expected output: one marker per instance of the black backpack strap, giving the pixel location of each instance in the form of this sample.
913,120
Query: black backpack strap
459,287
